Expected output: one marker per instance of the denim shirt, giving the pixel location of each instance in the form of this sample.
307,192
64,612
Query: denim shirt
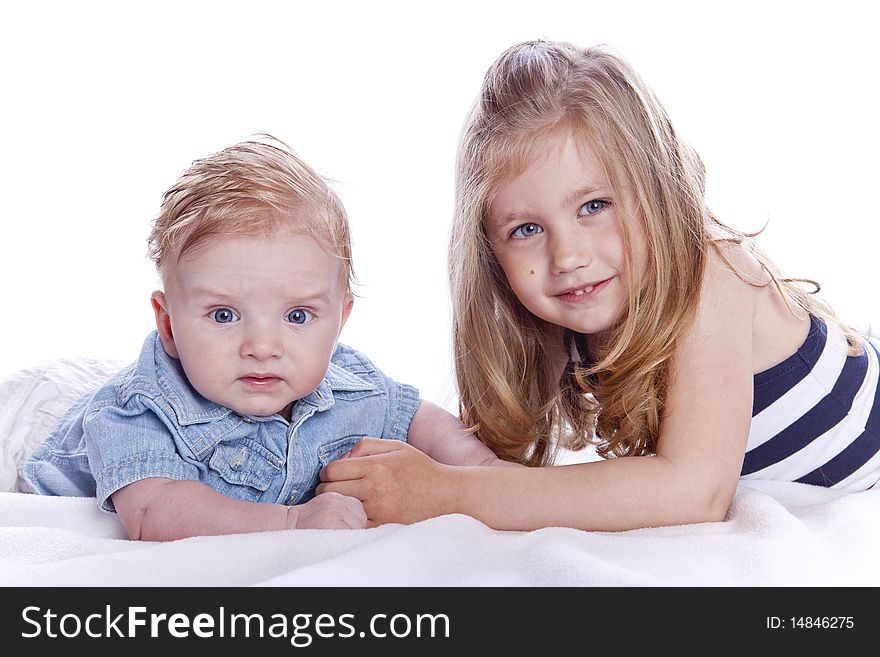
148,421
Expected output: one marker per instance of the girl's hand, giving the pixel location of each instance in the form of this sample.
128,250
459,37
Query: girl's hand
328,511
395,481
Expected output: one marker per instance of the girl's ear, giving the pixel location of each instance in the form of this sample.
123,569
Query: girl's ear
163,322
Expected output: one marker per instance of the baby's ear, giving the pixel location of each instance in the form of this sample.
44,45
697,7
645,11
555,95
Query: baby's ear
346,310
163,322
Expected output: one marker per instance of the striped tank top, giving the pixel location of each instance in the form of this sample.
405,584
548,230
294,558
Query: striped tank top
816,415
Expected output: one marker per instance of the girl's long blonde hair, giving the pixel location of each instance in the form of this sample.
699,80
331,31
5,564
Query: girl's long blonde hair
509,392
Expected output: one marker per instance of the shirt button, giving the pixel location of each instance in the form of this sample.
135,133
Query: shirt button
292,498
239,459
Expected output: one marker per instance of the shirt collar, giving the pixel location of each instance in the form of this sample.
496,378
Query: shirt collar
190,407
336,379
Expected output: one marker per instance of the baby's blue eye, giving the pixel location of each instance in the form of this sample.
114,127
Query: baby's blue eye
526,230
298,316
592,207
224,316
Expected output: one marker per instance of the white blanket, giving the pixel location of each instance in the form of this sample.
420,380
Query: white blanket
776,534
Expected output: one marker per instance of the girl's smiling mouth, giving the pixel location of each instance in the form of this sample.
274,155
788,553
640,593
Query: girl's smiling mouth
583,293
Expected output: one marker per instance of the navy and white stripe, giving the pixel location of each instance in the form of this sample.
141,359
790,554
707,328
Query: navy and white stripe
816,415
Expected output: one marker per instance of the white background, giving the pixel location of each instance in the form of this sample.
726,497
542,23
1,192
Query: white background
103,105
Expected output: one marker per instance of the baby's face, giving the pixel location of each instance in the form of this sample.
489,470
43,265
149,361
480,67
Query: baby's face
254,319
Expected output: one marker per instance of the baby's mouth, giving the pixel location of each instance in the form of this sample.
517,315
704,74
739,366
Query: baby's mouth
259,380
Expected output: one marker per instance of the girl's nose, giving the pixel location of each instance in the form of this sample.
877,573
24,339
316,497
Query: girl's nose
569,251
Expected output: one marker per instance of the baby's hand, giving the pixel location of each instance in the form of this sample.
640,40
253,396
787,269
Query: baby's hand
328,511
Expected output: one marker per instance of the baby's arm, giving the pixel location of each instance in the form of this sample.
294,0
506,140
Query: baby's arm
160,509
443,437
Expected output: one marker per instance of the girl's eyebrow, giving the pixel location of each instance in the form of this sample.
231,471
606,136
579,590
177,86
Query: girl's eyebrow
516,217
525,215
587,190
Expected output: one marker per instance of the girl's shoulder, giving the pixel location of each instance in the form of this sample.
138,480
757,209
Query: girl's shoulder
721,327
737,287
731,281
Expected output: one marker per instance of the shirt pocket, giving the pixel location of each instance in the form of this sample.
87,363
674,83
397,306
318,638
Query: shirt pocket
338,448
245,463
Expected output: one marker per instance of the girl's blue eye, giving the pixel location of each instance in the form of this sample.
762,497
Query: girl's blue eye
298,316
592,207
224,316
527,230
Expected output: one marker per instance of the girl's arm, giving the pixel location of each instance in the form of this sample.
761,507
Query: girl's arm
691,479
442,436
159,509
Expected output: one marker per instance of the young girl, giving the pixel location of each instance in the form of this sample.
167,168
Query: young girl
597,300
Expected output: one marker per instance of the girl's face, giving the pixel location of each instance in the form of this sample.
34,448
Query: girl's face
555,231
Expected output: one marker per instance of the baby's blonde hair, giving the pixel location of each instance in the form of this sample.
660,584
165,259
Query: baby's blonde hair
509,392
251,188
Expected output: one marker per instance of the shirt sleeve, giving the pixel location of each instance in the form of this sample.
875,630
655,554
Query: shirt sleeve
403,402
130,443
